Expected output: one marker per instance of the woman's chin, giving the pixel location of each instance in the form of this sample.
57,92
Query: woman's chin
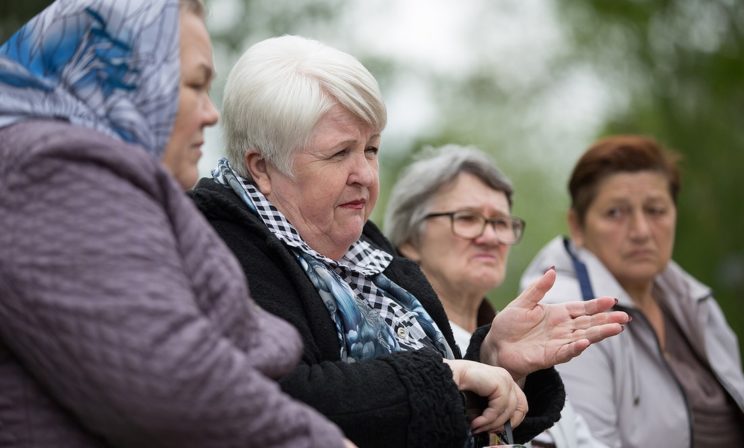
486,280
342,241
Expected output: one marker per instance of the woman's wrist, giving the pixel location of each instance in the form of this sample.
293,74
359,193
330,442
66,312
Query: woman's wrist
489,354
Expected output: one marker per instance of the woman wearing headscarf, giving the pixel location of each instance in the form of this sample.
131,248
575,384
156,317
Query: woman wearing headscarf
303,124
450,212
674,378
124,320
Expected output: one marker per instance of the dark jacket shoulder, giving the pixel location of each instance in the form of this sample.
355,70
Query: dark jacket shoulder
410,396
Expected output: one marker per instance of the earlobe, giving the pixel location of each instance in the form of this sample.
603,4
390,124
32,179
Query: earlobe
257,167
409,251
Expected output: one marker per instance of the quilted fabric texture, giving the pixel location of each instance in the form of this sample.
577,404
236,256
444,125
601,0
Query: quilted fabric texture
124,321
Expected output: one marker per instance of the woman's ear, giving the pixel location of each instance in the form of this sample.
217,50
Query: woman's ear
574,227
409,251
257,166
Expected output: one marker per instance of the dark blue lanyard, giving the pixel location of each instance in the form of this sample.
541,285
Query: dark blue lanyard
581,273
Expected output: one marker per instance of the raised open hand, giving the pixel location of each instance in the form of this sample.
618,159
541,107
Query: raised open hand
527,336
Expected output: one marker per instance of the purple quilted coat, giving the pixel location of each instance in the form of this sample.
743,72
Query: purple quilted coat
124,320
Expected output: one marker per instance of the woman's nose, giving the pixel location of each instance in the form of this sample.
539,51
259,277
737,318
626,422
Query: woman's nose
364,171
639,225
489,235
211,114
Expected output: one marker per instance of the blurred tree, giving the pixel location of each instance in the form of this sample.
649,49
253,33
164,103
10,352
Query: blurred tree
680,65
14,13
501,104
234,25
239,23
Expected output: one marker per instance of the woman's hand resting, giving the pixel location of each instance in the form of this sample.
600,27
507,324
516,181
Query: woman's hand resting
527,336
506,401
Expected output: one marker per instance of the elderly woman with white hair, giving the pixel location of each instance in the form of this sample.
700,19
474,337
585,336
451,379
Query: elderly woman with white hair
450,212
292,201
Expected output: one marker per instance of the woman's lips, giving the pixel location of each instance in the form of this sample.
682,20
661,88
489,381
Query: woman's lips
641,253
485,257
355,205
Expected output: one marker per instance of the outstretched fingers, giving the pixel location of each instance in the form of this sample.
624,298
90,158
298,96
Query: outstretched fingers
582,338
590,307
571,350
601,332
612,317
536,291
599,304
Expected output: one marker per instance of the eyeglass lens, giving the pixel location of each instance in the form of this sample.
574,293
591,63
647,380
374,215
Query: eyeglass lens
472,225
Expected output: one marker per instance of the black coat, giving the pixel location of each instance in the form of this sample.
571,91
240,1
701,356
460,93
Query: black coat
406,399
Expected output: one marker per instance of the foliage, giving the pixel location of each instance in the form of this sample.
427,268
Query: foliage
14,13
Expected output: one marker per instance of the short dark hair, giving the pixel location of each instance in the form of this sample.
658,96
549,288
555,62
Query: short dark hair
615,154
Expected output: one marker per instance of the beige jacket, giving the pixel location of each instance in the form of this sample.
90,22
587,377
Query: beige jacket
622,386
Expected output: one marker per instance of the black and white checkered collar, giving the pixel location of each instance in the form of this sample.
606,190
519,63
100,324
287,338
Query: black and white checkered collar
361,256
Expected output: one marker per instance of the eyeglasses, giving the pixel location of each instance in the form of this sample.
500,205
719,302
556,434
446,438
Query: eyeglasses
468,224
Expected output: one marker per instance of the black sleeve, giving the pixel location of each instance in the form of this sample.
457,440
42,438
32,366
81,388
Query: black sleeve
544,391
404,399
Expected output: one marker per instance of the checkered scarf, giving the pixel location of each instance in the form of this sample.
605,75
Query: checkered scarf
365,305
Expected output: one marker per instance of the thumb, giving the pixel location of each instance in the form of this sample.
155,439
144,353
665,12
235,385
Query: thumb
536,291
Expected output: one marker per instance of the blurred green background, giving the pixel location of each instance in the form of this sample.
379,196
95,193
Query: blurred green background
534,82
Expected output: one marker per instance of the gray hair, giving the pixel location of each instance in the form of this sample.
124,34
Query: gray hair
279,89
425,177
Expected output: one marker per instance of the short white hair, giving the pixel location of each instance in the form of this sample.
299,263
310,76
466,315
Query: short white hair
281,87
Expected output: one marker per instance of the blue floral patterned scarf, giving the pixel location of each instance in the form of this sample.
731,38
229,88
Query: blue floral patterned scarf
109,65
361,332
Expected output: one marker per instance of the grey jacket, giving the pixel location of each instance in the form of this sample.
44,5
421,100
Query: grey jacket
622,385
124,320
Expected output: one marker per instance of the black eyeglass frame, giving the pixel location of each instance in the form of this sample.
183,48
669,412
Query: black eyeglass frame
518,224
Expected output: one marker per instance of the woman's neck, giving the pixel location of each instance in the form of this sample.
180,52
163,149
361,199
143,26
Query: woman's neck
647,304
461,307
640,293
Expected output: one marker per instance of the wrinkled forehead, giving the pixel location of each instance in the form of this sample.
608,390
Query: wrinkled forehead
469,192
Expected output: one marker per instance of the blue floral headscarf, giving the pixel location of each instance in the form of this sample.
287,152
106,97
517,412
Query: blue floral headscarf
110,65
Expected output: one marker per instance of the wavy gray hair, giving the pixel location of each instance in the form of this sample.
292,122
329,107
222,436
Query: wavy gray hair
424,178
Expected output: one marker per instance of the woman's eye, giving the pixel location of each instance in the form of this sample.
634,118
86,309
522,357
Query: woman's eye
615,213
199,83
466,219
372,151
501,223
197,86
340,154
656,211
